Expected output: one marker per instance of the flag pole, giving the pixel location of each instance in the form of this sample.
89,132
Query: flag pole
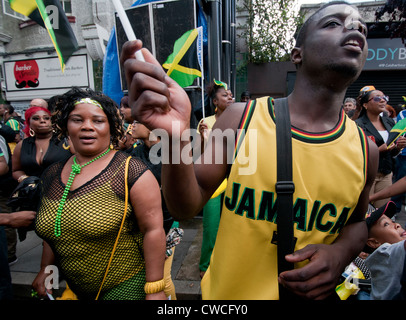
127,26
201,61
203,108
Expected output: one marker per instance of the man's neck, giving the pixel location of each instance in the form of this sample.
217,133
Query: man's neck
315,108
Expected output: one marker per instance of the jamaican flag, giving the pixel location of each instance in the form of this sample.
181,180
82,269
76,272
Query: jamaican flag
397,130
50,15
185,63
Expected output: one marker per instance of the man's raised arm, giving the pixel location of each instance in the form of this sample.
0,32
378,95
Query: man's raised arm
160,103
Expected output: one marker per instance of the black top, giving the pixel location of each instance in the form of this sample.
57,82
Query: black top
385,158
54,153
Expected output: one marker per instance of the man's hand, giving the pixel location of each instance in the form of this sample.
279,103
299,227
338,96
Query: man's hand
317,279
155,99
401,143
203,130
21,218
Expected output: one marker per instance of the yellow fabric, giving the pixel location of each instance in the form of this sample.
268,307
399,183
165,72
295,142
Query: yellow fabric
328,177
210,121
67,294
222,187
25,7
121,225
12,146
169,286
13,124
347,288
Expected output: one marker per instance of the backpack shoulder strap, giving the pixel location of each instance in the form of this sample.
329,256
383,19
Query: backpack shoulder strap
284,187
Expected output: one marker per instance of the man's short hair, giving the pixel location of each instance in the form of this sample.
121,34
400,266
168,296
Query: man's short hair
9,108
352,100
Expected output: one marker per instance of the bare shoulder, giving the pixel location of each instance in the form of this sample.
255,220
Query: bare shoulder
231,117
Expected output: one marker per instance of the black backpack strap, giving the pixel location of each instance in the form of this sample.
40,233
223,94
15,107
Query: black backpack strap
284,188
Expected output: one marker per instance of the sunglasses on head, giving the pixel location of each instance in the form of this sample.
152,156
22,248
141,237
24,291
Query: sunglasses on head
379,98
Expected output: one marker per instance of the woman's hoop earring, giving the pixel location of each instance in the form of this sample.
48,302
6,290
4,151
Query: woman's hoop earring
32,133
66,147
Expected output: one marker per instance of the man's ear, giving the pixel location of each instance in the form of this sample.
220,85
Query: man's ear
373,243
296,56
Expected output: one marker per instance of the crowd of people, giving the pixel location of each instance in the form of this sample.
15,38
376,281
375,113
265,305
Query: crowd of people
108,213
118,197
372,112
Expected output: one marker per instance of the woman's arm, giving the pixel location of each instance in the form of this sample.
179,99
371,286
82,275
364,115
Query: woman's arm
17,173
398,187
145,198
48,258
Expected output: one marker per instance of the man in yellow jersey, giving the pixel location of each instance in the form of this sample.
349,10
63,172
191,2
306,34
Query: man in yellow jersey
333,165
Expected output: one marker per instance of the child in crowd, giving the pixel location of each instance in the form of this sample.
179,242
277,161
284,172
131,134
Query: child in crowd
386,243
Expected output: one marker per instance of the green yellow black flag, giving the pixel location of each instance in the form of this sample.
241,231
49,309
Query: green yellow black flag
397,130
185,63
60,31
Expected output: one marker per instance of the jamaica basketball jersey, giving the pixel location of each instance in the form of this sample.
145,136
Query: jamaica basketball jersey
329,172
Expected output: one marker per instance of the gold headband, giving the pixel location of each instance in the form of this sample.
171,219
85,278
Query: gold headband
89,101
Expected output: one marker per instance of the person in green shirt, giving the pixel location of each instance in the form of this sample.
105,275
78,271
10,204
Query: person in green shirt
10,119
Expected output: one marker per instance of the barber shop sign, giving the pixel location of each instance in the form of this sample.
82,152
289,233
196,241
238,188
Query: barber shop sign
26,74
46,73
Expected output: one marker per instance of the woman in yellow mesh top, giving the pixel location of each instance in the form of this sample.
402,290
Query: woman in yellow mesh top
82,207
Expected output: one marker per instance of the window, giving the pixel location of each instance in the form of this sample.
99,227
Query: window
67,6
10,12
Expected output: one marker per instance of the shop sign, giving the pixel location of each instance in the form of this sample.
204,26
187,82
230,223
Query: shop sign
45,73
386,54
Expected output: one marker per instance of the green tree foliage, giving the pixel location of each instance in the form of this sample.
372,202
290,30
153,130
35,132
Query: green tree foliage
397,17
269,30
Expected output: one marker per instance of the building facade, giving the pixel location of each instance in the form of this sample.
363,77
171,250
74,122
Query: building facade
385,67
26,51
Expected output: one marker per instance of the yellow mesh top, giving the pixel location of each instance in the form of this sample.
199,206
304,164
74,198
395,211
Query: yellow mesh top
90,223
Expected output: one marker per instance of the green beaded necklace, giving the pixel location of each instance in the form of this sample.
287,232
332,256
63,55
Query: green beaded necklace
76,168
